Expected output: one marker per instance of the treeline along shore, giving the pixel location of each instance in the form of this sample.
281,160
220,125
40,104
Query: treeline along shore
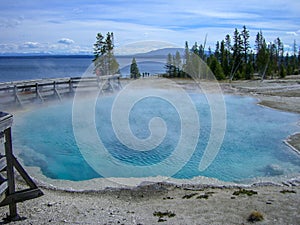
235,59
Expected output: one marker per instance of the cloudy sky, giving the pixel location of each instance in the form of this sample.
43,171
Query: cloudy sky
70,27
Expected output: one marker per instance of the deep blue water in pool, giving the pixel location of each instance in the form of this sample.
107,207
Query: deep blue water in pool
253,144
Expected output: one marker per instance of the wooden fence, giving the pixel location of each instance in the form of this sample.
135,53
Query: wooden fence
45,89
8,166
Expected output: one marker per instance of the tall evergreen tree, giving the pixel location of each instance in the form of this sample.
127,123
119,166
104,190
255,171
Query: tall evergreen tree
246,44
104,60
224,59
294,60
298,62
195,49
228,42
279,55
134,70
236,55
169,65
246,70
217,51
202,52
262,54
188,65
178,61
174,65
178,64
289,64
228,48
272,62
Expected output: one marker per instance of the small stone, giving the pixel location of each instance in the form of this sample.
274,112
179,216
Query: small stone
50,204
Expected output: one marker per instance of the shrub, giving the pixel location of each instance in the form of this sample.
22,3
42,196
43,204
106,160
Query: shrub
255,216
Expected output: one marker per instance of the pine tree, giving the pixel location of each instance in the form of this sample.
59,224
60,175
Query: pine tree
262,54
216,68
279,55
272,62
188,65
294,60
201,52
169,66
134,70
224,59
217,51
288,64
245,48
246,44
178,64
104,60
236,55
174,65
298,62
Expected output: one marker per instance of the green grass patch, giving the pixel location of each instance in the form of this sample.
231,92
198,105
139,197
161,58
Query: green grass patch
162,215
285,191
188,196
245,192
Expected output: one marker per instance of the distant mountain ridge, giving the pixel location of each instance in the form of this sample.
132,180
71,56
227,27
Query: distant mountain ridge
163,52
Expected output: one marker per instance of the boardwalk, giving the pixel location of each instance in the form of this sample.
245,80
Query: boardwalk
23,92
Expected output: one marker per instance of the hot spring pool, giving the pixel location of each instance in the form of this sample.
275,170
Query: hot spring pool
252,147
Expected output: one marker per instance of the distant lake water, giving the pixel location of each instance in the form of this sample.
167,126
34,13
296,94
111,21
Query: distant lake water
39,67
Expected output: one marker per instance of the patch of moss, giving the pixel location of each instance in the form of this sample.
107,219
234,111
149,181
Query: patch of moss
161,215
165,198
205,196
287,191
255,216
245,192
189,196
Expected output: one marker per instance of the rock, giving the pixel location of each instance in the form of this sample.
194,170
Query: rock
51,204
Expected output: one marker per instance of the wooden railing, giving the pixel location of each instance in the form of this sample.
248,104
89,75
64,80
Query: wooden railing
45,89
8,166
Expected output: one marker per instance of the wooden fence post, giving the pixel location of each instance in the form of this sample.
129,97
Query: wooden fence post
36,90
10,173
71,85
9,195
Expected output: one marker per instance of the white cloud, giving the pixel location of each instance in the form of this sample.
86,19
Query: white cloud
169,21
66,41
30,44
10,23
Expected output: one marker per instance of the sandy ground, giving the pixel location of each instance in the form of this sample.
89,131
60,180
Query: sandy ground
185,204
278,205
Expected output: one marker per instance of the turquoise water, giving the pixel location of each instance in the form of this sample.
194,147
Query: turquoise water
253,144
